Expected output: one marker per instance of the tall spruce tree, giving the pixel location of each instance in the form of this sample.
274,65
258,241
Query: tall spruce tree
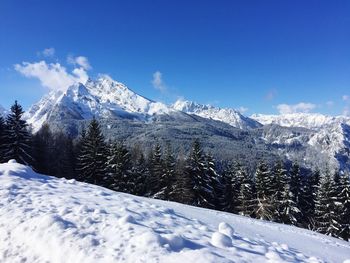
289,213
140,173
167,179
264,207
344,211
195,169
326,219
2,139
119,176
93,155
214,188
295,182
156,172
247,197
278,189
17,138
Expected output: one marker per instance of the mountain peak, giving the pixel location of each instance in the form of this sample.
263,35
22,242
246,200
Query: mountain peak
227,115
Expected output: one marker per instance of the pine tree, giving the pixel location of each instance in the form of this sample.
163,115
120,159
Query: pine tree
43,144
289,213
264,209
214,188
344,208
2,139
156,172
93,155
278,189
195,170
326,219
247,197
119,176
17,137
166,182
233,177
140,174
295,182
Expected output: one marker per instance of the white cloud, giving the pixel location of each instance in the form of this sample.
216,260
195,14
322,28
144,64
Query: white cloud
158,82
80,61
53,75
48,52
330,103
242,109
300,107
345,97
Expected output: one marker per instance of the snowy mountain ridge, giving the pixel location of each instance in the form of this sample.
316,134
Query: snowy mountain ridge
312,121
102,98
48,219
227,115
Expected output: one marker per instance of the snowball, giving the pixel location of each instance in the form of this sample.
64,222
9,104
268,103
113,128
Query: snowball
126,219
273,256
12,161
176,242
226,229
221,240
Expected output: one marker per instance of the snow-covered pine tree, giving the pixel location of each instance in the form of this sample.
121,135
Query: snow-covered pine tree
344,211
92,157
295,182
195,170
17,137
326,219
264,208
140,174
314,182
2,139
183,185
42,152
289,213
278,189
213,189
166,182
119,168
156,172
233,176
247,197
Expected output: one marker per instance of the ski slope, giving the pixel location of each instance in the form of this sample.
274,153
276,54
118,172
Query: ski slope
46,219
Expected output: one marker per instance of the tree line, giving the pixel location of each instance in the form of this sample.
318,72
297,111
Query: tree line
319,201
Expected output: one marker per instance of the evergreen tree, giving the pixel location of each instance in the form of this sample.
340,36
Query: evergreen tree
344,208
2,139
93,155
140,173
43,153
289,213
167,179
247,197
278,189
326,219
233,177
295,182
195,170
119,169
17,137
156,172
214,188
264,209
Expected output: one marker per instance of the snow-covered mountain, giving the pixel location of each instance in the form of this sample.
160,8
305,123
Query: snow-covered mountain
102,98
227,115
312,121
48,219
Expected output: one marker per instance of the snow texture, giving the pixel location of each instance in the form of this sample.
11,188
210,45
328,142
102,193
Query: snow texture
46,219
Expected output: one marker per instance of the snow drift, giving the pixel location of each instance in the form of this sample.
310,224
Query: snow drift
46,219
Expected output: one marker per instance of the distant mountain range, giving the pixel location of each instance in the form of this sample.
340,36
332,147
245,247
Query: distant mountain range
313,140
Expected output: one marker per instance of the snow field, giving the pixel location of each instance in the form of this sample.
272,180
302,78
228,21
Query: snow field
46,219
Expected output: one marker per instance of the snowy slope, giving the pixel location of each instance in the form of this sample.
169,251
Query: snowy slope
46,219
102,98
227,115
306,120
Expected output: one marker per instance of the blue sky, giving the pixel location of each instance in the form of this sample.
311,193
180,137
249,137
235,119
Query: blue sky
264,56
